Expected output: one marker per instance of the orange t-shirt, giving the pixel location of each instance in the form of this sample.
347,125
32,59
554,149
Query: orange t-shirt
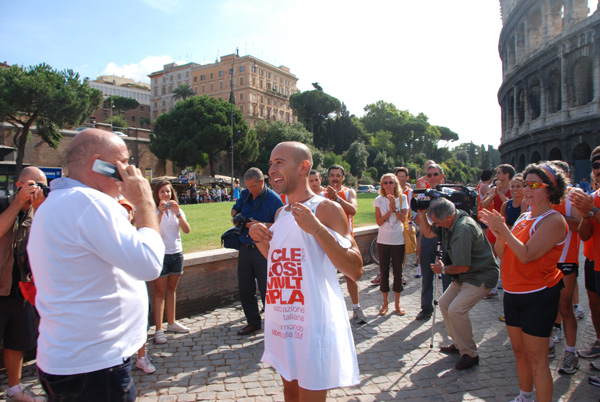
535,275
570,253
596,233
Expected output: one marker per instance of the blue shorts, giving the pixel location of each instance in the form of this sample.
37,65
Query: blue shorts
172,265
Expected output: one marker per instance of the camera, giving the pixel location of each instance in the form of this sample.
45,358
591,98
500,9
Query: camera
240,221
462,197
45,189
168,204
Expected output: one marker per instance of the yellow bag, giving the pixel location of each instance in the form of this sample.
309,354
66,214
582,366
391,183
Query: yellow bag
410,238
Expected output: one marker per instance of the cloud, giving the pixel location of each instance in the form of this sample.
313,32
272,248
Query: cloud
138,71
167,6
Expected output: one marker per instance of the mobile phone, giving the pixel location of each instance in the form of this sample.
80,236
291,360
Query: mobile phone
106,169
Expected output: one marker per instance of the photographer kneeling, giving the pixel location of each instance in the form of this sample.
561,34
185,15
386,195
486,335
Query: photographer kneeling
474,272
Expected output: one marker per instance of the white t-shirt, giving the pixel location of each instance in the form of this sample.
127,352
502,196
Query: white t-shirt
392,230
169,231
307,333
90,267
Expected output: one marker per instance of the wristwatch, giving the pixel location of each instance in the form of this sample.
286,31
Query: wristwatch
444,270
590,214
339,199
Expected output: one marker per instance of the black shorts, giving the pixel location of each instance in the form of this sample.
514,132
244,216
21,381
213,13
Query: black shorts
535,312
16,324
568,268
590,280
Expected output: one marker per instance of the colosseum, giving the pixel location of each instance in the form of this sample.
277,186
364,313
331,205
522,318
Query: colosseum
550,93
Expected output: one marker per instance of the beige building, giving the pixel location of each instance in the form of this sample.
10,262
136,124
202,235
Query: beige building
260,89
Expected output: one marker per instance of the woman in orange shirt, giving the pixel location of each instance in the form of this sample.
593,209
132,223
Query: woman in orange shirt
531,280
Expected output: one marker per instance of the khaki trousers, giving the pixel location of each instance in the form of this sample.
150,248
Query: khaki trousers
455,304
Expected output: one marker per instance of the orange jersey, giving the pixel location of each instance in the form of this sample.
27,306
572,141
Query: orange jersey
344,194
409,195
596,232
570,253
284,199
536,275
422,183
588,249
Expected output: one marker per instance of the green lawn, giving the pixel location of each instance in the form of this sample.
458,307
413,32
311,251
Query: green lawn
209,221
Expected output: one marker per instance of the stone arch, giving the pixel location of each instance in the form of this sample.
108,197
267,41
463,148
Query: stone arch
512,161
510,53
581,159
521,106
521,165
534,95
535,29
581,82
555,155
581,151
536,157
553,92
511,111
521,42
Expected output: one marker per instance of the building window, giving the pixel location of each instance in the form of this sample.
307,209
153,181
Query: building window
195,88
253,69
261,73
241,80
220,73
268,86
132,118
211,76
212,86
141,108
241,69
202,77
195,79
268,74
241,96
203,88
242,109
164,90
171,78
179,76
220,84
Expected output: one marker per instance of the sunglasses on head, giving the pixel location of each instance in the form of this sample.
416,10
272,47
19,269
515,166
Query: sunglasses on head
534,185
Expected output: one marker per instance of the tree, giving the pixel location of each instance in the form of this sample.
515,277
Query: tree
44,97
143,121
121,103
118,121
183,91
196,131
313,107
447,134
357,156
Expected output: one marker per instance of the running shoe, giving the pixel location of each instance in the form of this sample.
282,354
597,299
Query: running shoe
25,395
522,398
595,364
358,317
579,314
418,271
551,352
594,380
556,334
178,328
593,351
499,286
144,364
159,337
570,364
492,295
377,279
502,318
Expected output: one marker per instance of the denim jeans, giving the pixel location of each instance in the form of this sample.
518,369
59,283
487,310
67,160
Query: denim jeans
172,265
106,385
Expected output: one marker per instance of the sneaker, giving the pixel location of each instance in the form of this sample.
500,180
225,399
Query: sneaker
492,295
178,328
144,364
593,351
25,395
159,337
418,271
499,286
377,279
579,314
502,318
358,317
570,364
556,334
521,398
595,364
594,380
552,352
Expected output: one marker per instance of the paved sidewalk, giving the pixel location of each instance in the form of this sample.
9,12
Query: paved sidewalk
213,363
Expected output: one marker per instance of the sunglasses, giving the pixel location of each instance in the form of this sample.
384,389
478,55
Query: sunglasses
534,185
596,165
388,182
433,174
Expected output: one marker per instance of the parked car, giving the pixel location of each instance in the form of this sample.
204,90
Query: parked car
366,189
120,134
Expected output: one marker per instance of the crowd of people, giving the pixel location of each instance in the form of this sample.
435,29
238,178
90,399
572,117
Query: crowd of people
110,237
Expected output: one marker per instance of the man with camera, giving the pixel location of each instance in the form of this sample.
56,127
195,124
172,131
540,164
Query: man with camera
256,204
16,315
474,272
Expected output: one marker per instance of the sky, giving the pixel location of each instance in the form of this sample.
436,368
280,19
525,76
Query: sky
438,57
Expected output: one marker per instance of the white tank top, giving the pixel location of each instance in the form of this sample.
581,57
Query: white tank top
307,333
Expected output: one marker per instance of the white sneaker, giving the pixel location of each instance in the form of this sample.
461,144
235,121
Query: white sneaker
144,364
579,314
159,337
25,395
358,317
521,398
556,334
178,328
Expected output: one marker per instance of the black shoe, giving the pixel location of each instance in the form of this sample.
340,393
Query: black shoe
423,315
466,362
449,349
247,330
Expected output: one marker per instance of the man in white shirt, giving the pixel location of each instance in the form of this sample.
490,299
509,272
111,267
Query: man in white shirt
90,265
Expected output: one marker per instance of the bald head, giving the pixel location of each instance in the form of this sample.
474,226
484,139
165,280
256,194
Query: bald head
298,150
88,143
32,173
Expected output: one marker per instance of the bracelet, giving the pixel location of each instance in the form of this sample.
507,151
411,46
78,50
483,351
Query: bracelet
178,215
444,270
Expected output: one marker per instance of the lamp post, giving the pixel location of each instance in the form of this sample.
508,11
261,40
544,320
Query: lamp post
112,105
232,101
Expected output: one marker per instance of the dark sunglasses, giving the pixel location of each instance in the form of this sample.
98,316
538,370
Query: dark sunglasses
433,174
388,182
